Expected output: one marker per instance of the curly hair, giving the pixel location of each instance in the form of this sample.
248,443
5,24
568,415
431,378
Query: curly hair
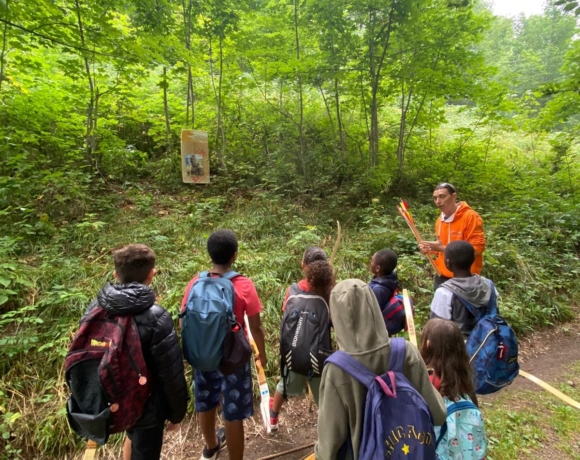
443,350
221,246
320,277
312,254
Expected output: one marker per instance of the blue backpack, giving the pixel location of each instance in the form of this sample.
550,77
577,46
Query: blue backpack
209,311
462,436
493,348
397,421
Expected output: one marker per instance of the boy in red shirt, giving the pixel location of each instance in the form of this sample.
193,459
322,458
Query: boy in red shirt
222,247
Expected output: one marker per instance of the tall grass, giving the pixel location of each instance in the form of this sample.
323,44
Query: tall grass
52,284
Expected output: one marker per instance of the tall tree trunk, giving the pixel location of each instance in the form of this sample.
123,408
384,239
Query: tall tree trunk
190,94
329,115
341,140
221,130
217,102
168,139
375,68
405,103
300,97
364,107
4,41
90,144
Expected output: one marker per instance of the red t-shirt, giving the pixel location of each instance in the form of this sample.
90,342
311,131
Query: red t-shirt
246,298
302,284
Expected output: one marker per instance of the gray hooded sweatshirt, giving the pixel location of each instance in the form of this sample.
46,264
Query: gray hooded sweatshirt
474,289
360,332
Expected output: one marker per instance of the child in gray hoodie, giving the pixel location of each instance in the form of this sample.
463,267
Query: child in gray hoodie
475,289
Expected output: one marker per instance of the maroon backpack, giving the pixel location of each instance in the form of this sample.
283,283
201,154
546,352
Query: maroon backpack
107,375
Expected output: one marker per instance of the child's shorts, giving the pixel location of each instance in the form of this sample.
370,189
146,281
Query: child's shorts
236,388
295,384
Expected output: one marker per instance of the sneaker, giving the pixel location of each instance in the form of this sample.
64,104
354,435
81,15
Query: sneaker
273,422
273,416
211,454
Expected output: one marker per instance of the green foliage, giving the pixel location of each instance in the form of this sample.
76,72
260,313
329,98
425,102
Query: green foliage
306,128
537,423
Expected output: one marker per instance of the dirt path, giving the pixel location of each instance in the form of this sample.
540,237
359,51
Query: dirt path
546,354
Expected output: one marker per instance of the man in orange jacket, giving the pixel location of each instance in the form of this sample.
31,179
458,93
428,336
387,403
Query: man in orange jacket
456,222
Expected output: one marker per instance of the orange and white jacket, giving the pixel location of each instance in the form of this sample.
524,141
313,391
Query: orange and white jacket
465,224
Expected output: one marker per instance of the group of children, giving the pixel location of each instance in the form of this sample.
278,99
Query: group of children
439,368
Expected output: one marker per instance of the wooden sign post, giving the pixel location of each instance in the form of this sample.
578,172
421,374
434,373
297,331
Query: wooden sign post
194,157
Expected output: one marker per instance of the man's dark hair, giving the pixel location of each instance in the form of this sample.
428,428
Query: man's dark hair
460,255
221,246
312,254
446,185
387,260
133,263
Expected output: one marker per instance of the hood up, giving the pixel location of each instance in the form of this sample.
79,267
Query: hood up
126,299
357,318
475,289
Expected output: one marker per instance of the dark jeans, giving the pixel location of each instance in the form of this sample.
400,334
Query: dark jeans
146,443
438,281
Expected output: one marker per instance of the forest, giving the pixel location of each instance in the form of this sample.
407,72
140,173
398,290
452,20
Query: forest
316,111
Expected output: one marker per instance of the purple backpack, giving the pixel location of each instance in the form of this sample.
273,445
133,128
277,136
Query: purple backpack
397,421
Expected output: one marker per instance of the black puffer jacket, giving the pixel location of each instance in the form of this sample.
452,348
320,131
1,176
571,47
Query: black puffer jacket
161,349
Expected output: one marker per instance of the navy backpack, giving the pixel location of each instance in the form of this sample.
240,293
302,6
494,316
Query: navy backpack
397,421
493,348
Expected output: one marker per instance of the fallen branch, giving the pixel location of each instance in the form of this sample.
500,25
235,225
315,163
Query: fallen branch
286,452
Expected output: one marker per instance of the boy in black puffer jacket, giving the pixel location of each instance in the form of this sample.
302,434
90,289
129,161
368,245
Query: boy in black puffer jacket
134,269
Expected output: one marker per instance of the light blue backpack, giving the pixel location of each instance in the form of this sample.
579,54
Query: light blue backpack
209,311
462,436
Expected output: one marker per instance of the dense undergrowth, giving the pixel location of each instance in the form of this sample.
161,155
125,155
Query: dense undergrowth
48,278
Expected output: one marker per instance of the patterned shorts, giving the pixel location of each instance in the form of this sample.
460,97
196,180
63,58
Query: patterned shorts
236,388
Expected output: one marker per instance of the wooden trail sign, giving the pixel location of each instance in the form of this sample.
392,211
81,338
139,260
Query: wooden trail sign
194,157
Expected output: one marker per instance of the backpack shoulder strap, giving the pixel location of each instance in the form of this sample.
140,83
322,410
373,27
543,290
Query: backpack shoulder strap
492,305
230,275
295,289
398,351
352,366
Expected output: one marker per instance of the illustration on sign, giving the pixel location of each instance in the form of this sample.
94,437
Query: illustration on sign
194,157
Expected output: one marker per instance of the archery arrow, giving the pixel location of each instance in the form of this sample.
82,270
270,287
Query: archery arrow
264,390
409,316
551,389
90,450
403,210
